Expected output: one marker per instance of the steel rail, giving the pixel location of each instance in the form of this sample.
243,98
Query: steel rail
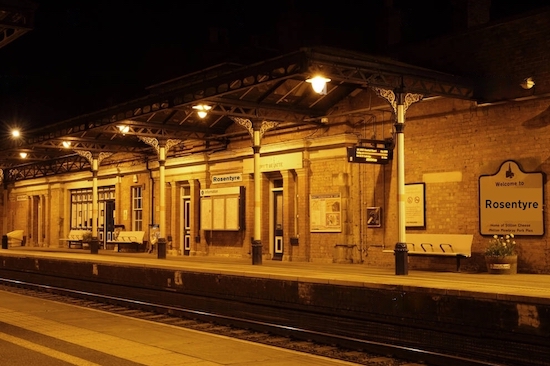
274,329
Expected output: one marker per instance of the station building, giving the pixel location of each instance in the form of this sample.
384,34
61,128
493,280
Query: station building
304,176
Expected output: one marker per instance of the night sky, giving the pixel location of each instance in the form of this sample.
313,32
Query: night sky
83,56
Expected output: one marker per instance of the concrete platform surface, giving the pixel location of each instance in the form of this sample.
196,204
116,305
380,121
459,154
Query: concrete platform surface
35,331
522,287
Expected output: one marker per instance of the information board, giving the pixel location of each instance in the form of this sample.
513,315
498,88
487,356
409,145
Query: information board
372,155
325,212
221,209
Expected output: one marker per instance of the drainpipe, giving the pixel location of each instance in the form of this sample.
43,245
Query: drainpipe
151,192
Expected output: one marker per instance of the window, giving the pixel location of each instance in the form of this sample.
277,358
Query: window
81,206
137,208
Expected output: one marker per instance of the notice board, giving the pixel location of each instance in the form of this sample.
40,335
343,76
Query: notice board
325,212
222,209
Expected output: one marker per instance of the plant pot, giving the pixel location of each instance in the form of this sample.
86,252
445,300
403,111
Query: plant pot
502,265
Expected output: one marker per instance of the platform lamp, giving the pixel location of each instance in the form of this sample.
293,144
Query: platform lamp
202,110
123,129
319,84
527,83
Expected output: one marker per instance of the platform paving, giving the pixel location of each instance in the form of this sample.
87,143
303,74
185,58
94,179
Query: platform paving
525,287
35,331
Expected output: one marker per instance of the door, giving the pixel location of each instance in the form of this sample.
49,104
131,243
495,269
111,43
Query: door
185,248
35,221
107,227
278,245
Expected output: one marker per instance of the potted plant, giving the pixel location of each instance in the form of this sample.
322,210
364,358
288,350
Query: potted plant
501,256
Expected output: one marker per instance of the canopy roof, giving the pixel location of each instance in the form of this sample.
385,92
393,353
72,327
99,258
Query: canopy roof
16,19
272,90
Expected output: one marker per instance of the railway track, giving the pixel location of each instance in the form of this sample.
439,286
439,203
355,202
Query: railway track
333,346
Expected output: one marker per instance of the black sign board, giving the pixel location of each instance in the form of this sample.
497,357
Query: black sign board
372,155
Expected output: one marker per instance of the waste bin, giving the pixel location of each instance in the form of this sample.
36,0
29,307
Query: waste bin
401,259
161,248
256,252
94,246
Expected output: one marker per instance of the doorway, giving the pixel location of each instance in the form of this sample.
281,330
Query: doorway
277,219
185,247
107,224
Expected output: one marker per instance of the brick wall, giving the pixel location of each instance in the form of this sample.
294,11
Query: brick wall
474,141
497,56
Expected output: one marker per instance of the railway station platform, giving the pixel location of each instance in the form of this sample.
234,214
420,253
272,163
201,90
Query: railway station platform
504,318
484,285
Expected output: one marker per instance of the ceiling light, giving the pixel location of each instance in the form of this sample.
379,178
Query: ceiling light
66,144
123,129
319,84
23,155
16,133
527,83
202,109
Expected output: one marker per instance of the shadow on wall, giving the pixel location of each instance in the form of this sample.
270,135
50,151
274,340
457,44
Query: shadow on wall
539,121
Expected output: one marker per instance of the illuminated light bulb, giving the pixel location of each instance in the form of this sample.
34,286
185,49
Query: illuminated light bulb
23,155
527,83
202,109
66,144
123,129
319,84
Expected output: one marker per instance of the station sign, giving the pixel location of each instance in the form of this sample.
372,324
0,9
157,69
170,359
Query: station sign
512,201
372,155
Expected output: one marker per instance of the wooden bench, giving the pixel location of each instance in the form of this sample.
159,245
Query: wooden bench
439,245
129,238
75,238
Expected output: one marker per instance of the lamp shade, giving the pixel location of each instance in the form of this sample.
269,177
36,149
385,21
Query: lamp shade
319,83
202,109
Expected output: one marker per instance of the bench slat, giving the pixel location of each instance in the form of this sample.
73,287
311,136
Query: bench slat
75,237
439,245
128,238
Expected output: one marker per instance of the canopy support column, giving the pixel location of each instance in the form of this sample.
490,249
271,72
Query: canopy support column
162,147
256,130
95,160
400,101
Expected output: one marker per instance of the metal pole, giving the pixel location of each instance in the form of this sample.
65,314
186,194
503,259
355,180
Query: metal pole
94,244
4,210
401,252
161,243
257,242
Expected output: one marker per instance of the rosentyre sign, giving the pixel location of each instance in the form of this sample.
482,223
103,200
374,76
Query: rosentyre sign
511,201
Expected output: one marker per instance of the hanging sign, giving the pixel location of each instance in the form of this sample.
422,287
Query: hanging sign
372,155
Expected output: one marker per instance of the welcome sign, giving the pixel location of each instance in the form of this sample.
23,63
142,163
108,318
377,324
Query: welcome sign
511,202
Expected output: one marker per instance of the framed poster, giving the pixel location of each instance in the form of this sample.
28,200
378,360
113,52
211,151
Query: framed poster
325,211
374,217
415,205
